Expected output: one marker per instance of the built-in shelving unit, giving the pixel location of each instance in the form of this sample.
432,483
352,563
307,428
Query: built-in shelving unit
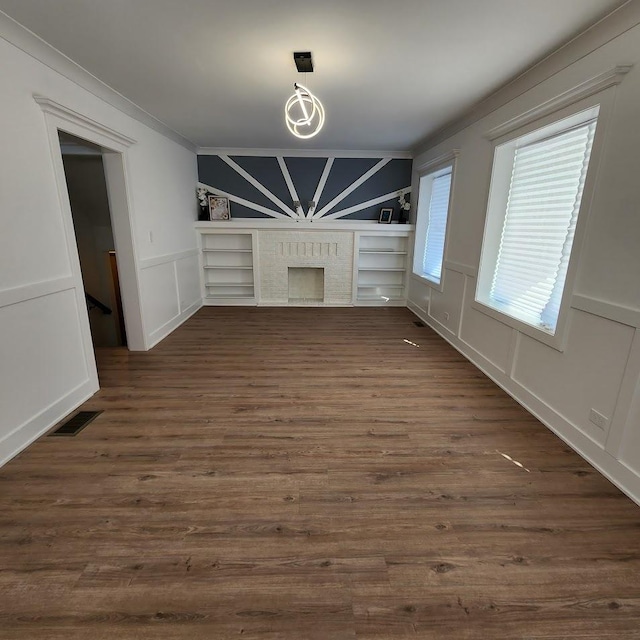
381,268
227,264
260,262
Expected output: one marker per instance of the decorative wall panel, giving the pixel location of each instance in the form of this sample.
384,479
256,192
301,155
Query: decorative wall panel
327,188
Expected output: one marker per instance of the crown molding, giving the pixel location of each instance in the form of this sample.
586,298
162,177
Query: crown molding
615,24
304,153
581,91
34,46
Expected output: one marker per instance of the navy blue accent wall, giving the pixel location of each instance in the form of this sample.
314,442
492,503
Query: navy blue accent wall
345,172
384,181
305,174
267,172
217,173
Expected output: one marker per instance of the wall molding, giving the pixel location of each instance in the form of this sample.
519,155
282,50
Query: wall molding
617,472
27,292
466,269
364,205
146,263
427,166
581,91
74,117
169,327
303,153
246,203
292,188
321,184
58,116
21,437
352,187
259,186
31,44
623,412
608,310
294,209
307,225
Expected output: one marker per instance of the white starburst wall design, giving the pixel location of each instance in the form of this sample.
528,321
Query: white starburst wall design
309,211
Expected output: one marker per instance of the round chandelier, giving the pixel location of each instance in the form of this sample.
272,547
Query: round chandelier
304,113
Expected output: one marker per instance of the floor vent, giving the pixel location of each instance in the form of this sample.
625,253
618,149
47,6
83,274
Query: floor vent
418,323
74,425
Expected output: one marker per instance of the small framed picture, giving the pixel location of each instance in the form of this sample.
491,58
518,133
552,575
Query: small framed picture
219,208
385,216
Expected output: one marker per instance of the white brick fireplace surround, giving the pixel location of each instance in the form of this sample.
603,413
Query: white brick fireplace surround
329,250
248,262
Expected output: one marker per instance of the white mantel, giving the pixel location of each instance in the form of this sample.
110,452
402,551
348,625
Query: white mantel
304,224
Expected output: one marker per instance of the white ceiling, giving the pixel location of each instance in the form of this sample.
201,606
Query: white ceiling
389,72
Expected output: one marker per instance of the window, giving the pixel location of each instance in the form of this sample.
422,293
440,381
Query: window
536,191
433,209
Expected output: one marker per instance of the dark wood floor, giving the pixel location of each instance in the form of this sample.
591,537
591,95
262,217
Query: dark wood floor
307,474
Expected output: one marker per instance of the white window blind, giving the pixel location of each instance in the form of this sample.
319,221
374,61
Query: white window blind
437,226
546,188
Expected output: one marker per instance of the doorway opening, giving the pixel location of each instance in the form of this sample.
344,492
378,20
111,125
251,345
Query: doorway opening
84,171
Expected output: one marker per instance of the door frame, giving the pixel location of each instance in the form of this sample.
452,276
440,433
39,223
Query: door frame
115,147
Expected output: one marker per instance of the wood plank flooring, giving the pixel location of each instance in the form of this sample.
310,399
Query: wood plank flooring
307,474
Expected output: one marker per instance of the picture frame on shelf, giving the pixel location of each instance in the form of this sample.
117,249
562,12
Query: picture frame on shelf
219,208
385,216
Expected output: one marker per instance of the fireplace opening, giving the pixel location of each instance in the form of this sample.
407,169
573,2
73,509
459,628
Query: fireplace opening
306,284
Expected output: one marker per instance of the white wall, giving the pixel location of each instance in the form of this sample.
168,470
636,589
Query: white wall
600,366
45,370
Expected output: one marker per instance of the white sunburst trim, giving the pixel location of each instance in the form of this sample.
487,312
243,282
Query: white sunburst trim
320,188
365,205
246,203
292,189
352,187
259,186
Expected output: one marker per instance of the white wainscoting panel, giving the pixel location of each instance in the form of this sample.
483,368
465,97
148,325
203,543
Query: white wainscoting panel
621,474
594,361
170,291
188,278
490,338
419,293
48,375
445,305
160,297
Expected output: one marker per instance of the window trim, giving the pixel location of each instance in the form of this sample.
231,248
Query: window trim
433,166
604,101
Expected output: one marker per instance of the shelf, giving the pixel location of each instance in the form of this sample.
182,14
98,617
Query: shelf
230,296
228,284
386,252
381,269
227,250
385,298
208,266
380,286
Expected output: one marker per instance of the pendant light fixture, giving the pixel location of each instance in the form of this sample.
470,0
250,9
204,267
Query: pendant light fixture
304,113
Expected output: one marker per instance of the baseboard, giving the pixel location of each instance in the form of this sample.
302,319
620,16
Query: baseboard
380,303
19,439
614,470
276,303
169,327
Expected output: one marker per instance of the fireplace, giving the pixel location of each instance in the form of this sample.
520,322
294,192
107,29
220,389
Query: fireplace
306,284
311,268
